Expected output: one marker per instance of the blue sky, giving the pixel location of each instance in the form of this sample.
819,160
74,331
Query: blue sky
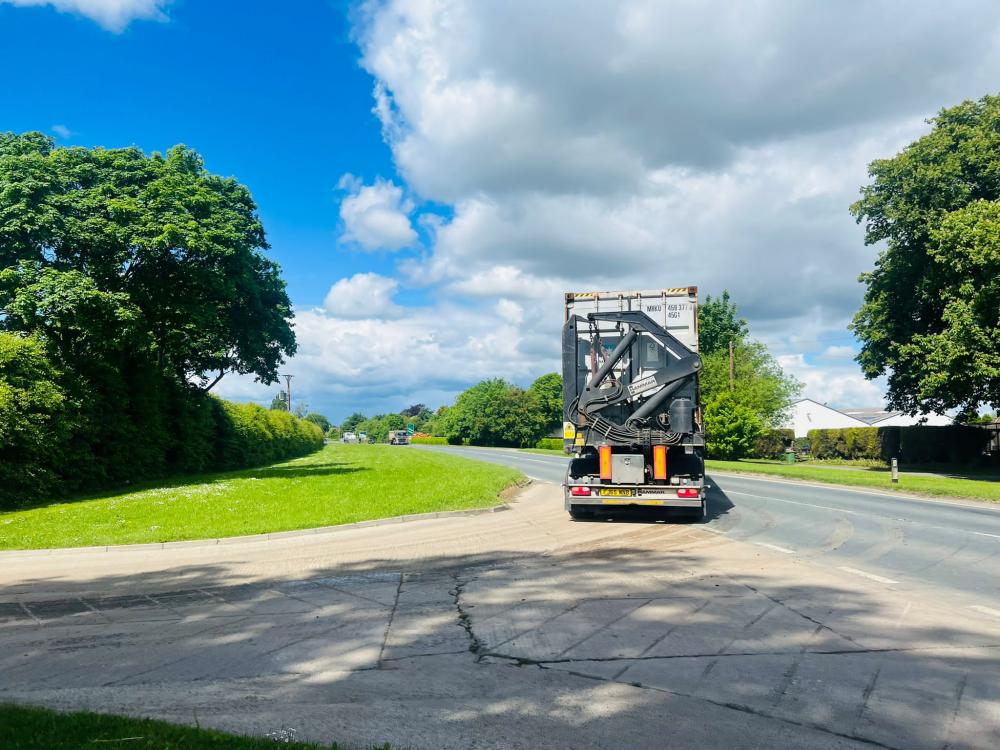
275,98
433,174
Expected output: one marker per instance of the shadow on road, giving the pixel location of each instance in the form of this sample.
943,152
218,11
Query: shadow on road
640,637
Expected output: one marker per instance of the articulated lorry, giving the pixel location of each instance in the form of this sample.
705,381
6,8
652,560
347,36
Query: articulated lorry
631,404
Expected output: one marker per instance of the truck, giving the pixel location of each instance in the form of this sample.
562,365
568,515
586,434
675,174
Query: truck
632,417
399,437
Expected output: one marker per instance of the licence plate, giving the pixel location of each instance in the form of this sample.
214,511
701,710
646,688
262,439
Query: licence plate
616,493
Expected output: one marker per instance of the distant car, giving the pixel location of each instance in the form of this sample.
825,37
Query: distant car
362,437
350,437
399,437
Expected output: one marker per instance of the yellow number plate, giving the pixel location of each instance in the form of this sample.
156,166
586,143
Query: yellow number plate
616,493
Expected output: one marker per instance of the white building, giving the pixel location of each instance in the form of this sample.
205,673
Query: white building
807,414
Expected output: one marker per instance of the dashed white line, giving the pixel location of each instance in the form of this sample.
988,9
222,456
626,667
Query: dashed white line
983,533
776,548
986,610
869,576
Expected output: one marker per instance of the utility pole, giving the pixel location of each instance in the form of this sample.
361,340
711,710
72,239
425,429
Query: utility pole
732,368
288,391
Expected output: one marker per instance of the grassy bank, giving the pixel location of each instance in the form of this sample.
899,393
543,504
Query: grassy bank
876,479
339,484
40,729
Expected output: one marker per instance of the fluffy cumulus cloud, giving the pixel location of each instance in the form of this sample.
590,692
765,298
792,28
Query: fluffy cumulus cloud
635,144
364,295
376,216
113,15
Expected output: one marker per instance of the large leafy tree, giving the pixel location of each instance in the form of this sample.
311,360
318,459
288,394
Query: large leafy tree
171,252
930,321
548,390
719,323
759,382
494,412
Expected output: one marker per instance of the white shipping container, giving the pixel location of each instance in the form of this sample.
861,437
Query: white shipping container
675,309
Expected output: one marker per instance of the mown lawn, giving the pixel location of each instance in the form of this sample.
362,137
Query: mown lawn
975,489
23,728
338,484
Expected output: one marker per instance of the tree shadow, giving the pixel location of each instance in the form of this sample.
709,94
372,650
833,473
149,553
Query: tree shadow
639,637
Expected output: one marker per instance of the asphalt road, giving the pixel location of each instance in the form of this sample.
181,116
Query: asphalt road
948,545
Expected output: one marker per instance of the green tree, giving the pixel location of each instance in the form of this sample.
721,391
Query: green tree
350,424
758,378
279,402
930,322
732,425
548,390
494,412
718,324
319,420
31,419
179,250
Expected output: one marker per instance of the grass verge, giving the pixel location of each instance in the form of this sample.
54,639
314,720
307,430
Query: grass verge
974,489
337,485
23,728
546,451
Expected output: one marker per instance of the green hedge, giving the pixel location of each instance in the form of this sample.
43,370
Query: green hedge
429,441
949,444
63,433
772,443
550,444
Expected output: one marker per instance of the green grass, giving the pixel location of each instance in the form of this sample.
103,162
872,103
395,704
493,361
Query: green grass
546,451
23,728
338,484
975,489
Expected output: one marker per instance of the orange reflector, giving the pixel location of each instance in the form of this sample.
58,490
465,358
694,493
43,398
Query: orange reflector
659,462
605,454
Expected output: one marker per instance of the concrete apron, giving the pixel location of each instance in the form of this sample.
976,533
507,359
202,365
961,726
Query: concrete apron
511,630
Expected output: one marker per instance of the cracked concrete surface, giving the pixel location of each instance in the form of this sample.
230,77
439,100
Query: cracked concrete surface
514,630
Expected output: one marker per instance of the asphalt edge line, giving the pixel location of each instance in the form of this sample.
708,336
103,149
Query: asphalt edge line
15,554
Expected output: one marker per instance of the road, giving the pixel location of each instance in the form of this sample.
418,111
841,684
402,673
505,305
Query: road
772,625
951,546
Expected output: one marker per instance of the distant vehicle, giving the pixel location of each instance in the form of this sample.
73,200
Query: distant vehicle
362,437
350,437
399,437
631,403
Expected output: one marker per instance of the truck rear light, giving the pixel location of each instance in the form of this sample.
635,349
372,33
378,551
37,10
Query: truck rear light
659,462
604,452
579,491
688,492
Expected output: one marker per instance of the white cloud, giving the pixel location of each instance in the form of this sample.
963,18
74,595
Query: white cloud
630,144
375,216
364,295
62,131
838,386
838,352
113,15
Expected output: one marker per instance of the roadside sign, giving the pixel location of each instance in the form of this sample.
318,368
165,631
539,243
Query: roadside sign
410,429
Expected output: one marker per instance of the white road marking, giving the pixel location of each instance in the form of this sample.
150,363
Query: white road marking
791,502
986,610
869,576
710,530
776,548
983,533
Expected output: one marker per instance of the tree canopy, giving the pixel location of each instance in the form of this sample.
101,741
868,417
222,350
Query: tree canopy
494,412
718,324
150,255
548,390
930,322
